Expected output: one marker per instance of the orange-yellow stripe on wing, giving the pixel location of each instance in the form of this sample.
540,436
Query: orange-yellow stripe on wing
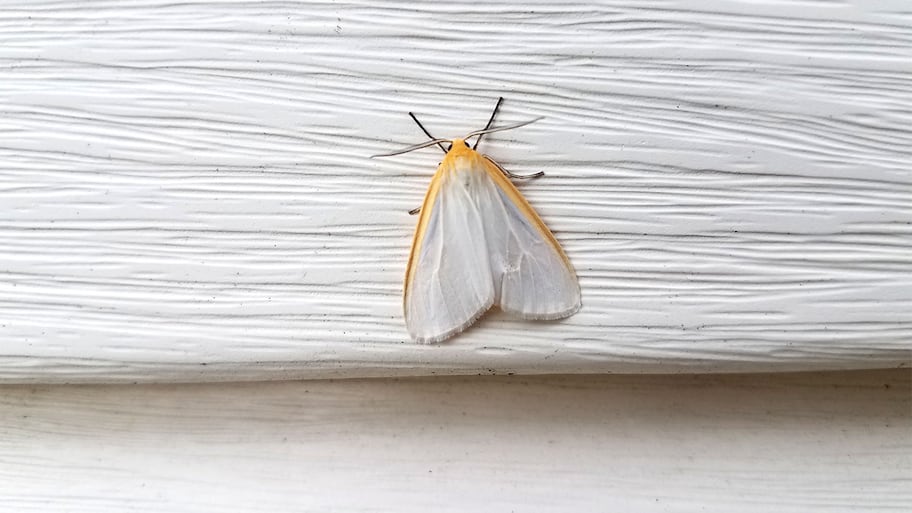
426,207
524,207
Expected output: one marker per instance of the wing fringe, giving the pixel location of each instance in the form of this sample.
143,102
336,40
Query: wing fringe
454,331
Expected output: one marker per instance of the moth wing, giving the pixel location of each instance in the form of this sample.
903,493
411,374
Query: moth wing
533,278
448,284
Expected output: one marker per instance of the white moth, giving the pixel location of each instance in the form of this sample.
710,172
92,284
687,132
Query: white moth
479,243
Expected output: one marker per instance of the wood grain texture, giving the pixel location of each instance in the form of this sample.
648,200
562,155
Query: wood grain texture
186,193
832,442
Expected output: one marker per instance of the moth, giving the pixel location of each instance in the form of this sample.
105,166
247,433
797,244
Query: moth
479,243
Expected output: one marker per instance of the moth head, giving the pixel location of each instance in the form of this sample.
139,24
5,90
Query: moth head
459,143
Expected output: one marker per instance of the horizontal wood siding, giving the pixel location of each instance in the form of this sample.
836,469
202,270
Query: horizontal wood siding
186,190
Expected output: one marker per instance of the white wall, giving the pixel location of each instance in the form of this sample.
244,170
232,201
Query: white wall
186,193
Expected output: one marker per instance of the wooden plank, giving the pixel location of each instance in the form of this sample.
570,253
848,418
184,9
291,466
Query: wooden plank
186,193
808,443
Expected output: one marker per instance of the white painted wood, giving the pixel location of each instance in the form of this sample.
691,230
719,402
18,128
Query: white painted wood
833,442
186,193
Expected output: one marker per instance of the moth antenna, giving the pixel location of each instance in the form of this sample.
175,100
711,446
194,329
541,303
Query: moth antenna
502,128
426,132
490,120
413,148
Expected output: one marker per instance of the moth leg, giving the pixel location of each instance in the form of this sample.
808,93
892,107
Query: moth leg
414,211
511,175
